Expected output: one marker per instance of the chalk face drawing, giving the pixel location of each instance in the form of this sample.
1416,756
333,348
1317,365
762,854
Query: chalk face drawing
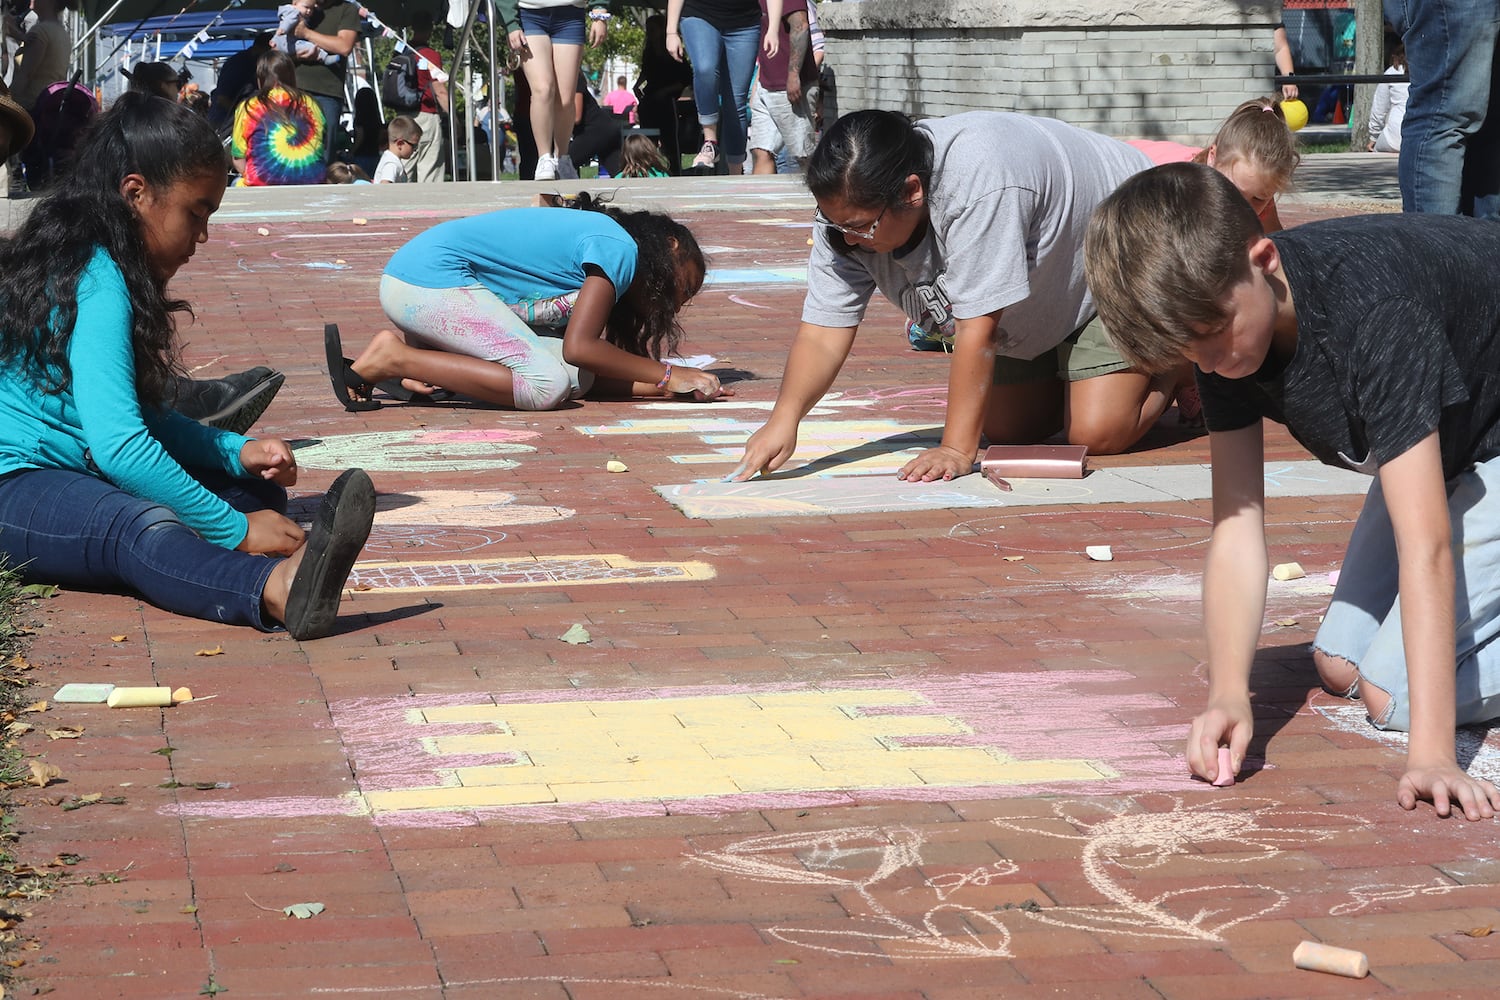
1118,844
562,755
864,862
417,450
530,572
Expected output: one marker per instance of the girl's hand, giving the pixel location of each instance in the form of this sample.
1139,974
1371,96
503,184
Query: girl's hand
674,46
1226,723
1445,784
773,43
517,40
597,31
271,534
270,458
702,385
937,463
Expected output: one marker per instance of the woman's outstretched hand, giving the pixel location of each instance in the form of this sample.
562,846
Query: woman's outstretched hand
270,458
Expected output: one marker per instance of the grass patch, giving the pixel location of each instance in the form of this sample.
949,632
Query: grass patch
1313,148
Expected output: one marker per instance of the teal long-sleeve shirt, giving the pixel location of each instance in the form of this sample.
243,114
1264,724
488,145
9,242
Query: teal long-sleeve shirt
98,416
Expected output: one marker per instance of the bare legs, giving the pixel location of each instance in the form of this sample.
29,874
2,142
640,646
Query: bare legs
552,74
1108,413
388,356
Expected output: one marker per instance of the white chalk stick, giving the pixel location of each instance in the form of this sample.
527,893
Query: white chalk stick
615,465
1226,769
139,697
1326,958
1288,571
1099,553
83,693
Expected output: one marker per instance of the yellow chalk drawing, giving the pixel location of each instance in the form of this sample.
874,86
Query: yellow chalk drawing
532,571
691,747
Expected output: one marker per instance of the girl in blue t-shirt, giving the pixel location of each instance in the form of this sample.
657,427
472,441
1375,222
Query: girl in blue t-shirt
102,484
532,307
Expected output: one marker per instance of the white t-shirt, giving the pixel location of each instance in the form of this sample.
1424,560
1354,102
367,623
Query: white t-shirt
1011,196
390,168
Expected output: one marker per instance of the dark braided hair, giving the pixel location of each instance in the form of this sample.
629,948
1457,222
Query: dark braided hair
644,320
41,264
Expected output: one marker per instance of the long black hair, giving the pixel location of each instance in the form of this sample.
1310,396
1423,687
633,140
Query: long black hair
41,263
644,320
865,158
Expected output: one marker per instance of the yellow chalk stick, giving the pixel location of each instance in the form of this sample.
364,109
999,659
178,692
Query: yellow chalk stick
139,697
182,694
1326,958
1288,571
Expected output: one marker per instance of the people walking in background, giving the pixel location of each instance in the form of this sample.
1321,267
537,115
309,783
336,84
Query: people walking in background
550,44
333,28
431,149
660,86
1450,138
722,37
782,117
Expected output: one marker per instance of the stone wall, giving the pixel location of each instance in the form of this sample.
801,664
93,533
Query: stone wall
1174,72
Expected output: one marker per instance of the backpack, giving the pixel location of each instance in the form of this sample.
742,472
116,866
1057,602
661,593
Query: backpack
398,85
62,113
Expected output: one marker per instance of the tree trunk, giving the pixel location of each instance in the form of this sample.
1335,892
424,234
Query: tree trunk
1369,58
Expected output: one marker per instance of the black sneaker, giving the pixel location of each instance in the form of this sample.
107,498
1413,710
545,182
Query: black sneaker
233,403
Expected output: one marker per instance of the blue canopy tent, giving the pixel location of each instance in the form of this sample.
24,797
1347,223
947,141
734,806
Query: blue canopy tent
232,31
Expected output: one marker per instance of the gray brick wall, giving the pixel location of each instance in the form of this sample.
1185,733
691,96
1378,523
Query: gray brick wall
1094,65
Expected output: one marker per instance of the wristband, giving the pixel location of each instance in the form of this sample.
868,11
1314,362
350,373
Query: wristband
600,15
665,379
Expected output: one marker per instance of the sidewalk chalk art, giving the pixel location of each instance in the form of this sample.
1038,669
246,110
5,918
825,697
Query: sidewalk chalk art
550,756
418,450
526,572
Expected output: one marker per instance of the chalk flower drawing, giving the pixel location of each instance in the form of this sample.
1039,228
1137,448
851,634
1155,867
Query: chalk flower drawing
830,858
1122,843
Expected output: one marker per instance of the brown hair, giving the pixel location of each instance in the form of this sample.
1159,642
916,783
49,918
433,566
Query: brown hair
1256,132
1161,256
403,127
639,156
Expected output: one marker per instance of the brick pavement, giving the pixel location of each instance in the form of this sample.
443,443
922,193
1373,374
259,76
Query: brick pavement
930,752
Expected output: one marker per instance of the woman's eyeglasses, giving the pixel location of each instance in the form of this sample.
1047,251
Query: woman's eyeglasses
859,234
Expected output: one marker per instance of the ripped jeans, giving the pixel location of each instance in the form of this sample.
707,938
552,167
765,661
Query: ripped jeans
1363,624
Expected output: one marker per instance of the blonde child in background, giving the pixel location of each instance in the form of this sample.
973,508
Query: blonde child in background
1254,148
640,157
402,135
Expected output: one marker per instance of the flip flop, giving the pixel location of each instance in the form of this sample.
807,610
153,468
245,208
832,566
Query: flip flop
338,535
393,388
342,375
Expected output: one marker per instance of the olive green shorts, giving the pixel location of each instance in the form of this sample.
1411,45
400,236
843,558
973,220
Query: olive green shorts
1087,353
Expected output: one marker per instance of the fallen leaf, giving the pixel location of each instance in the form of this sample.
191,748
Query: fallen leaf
1286,622
303,911
1014,558
65,733
42,773
190,908
40,590
1485,931
36,706
216,651
577,635
361,587
118,638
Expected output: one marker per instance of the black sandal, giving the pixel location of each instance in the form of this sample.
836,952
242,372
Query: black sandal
337,537
348,386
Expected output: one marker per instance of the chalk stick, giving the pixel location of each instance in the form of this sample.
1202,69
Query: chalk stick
1226,769
1288,571
180,695
81,693
1099,553
1326,958
139,697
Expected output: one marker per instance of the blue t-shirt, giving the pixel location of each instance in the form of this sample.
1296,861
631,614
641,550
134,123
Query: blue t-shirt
520,254
99,417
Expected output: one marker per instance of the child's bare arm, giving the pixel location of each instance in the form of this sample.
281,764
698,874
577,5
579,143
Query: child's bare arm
1234,598
1417,499
971,374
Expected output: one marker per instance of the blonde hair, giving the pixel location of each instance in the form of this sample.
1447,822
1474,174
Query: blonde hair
1256,133
639,156
403,127
1161,256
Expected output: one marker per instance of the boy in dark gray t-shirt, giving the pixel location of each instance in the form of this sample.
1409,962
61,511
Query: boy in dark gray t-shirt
1376,341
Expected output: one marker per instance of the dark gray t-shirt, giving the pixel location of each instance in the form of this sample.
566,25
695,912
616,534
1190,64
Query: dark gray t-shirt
1398,335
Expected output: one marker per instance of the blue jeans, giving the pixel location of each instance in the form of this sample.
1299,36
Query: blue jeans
723,66
1363,624
67,528
1450,140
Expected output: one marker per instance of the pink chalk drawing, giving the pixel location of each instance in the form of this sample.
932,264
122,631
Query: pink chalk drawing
429,760
745,302
1139,836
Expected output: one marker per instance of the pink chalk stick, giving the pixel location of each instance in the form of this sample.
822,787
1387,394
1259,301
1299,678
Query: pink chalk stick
1226,769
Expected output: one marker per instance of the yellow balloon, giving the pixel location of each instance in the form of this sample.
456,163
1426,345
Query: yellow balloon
1295,112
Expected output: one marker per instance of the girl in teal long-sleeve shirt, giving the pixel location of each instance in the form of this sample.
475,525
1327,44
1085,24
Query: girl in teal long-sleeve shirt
102,484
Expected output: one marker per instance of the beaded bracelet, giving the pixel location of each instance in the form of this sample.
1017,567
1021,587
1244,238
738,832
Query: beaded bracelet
599,14
665,379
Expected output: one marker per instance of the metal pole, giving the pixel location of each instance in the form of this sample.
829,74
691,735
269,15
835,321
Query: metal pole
494,97
94,28
375,74
460,61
